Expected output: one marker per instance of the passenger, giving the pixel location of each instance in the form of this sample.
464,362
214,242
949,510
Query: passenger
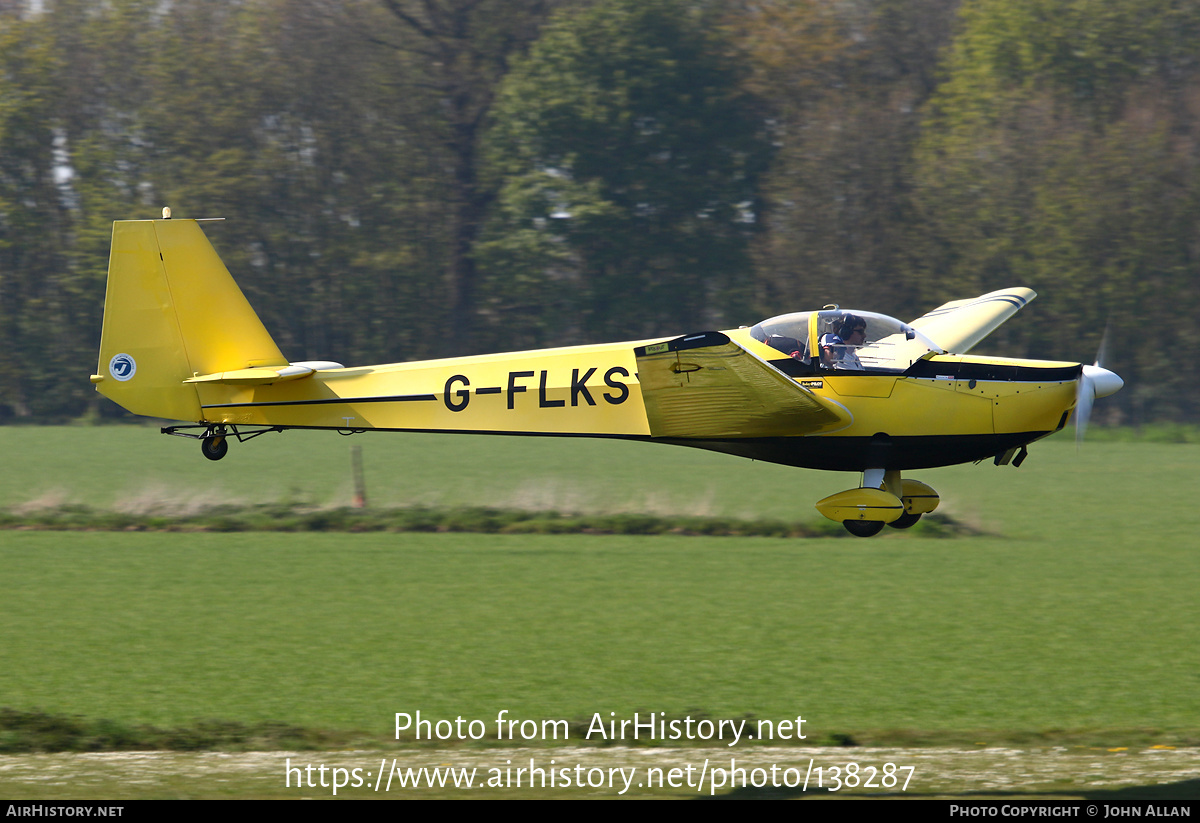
838,348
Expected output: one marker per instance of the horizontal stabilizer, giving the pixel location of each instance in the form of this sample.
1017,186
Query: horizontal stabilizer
261,376
959,325
706,385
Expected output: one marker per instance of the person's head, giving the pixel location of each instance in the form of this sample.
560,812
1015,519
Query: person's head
855,327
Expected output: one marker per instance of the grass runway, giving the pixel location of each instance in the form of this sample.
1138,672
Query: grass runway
1073,624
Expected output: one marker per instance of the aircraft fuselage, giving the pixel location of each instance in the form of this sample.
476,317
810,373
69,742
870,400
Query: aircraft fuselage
978,407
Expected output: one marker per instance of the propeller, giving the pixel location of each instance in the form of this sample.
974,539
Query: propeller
1095,381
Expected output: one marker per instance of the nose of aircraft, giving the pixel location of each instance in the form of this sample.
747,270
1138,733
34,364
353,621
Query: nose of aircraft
1096,381
1103,381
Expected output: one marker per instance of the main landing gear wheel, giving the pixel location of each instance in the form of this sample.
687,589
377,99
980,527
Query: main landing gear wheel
214,448
863,528
905,521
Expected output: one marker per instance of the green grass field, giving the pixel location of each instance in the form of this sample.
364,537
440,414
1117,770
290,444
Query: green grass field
341,631
1075,622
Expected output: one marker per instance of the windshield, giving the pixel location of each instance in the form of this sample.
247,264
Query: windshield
845,340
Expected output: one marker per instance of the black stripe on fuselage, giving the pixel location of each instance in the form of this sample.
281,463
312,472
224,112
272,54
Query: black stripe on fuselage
959,371
994,371
326,401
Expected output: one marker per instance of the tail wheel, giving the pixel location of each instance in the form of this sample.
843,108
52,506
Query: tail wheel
214,448
905,521
863,528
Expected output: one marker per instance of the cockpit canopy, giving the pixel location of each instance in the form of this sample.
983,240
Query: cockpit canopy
886,344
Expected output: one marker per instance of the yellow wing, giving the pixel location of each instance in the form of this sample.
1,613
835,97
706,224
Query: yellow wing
706,385
959,325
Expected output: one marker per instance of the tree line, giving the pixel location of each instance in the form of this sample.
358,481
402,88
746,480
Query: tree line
406,179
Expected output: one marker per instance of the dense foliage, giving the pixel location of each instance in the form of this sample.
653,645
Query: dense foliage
417,178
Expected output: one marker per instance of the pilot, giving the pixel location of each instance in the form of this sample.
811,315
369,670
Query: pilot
838,348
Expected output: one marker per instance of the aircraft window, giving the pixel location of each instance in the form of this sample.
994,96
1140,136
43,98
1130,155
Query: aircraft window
872,342
788,334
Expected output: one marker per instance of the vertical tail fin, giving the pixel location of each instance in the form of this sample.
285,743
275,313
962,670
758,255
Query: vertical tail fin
172,311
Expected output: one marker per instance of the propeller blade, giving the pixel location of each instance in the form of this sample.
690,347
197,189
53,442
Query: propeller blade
1095,381
1085,395
1102,352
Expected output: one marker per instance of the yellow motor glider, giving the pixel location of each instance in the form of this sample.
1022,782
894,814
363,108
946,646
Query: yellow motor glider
843,390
